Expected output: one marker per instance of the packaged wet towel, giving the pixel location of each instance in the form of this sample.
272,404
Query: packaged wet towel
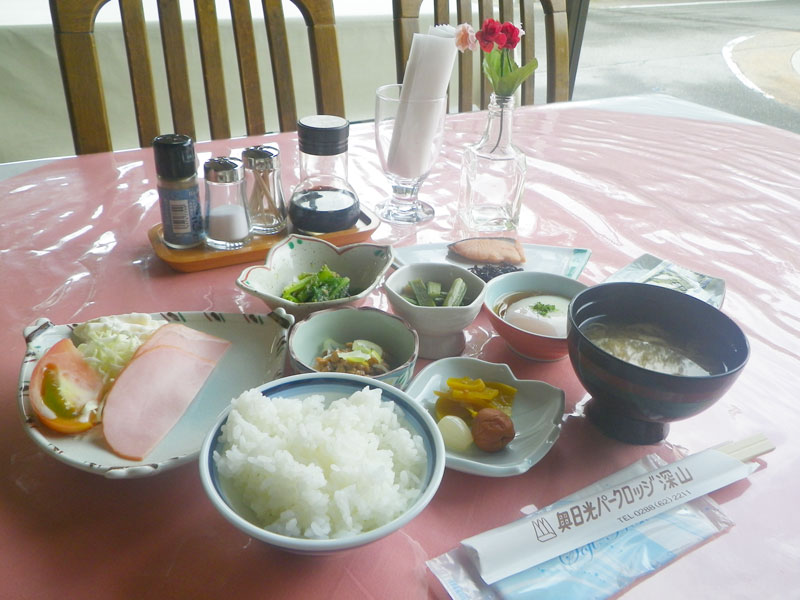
598,569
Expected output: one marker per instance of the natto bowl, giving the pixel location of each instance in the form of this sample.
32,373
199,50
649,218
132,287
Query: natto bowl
393,334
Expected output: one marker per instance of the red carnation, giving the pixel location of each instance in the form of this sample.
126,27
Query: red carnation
511,33
490,34
498,42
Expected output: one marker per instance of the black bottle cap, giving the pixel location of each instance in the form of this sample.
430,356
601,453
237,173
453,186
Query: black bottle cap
174,156
323,135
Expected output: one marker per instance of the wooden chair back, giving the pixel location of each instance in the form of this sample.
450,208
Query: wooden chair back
406,23
74,23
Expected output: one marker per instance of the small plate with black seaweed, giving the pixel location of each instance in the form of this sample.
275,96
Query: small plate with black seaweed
547,259
488,272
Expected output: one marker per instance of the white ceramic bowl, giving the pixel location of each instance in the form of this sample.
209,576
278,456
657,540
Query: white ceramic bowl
531,345
536,414
363,263
440,328
399,341
332,386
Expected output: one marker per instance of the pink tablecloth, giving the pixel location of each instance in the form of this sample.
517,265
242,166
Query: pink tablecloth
719,197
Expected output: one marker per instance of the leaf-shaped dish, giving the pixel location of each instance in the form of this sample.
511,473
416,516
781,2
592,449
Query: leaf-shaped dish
537,411
256,356
363,263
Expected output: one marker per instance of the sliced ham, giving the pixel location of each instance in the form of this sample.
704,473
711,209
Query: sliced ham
154,390
174,334
490,250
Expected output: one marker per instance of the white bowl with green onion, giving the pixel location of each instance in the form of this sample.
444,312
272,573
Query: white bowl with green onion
362,341
440,300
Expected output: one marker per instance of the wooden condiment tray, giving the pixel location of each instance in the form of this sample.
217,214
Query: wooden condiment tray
201,258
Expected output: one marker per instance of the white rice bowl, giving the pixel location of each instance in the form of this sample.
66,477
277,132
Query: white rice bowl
308,470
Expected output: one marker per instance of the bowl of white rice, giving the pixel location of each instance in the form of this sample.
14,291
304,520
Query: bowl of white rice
322,462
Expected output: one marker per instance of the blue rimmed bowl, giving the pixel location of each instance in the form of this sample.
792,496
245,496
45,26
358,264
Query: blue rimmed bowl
331,386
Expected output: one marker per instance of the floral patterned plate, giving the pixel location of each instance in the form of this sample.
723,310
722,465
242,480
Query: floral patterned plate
256,356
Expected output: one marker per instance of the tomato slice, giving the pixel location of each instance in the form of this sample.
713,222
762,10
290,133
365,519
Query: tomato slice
65,390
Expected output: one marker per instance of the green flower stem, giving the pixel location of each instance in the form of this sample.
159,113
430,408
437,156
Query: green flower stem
500,133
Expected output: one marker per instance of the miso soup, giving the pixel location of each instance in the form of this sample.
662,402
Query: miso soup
647,346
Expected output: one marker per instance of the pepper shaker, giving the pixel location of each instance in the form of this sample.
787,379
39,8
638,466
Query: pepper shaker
262,172
178,192
226,217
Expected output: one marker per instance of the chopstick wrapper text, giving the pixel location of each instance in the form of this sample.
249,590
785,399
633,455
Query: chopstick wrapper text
524,543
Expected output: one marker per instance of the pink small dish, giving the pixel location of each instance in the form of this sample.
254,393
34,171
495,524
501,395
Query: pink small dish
534,346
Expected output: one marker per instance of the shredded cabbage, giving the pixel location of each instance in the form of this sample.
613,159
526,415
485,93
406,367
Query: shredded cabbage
108,343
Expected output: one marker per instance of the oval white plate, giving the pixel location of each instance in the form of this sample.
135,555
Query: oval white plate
255,357
537,412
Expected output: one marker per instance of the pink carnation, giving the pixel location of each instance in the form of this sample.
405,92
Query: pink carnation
465,38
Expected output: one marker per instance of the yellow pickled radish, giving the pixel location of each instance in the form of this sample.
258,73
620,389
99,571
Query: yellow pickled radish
456,433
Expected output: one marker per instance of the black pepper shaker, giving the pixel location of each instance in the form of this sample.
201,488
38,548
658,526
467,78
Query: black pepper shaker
178,191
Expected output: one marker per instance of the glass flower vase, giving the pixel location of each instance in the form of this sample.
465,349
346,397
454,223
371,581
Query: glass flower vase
493,174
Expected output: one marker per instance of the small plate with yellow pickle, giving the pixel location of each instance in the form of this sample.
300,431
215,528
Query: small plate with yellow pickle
455,390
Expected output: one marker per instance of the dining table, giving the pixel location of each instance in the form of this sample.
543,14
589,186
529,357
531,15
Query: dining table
620,177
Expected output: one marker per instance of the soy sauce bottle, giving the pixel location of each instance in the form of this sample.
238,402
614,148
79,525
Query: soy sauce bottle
323,201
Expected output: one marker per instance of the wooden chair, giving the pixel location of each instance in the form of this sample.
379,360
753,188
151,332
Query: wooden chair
406,23
577,13
74,23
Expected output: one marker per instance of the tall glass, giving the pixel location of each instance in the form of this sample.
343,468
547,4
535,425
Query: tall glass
408,136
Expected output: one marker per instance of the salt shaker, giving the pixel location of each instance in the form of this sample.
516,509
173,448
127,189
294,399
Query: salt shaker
266,205
323,201
178,192
226,219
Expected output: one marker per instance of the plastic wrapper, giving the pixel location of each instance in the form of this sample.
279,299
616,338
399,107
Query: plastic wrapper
601,568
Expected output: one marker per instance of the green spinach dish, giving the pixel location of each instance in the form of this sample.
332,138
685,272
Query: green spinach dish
318,287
